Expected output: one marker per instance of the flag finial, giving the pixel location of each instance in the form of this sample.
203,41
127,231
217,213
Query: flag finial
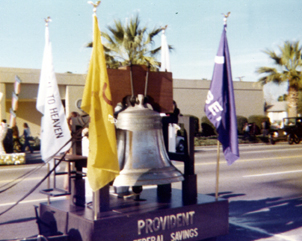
47,20
164,28
226,17
95,5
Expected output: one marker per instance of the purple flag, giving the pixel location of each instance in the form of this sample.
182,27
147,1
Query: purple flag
220,104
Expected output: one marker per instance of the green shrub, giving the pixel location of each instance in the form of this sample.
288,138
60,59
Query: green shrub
258,119
205,141
207,128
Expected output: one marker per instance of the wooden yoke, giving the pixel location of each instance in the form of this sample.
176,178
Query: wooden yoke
160,86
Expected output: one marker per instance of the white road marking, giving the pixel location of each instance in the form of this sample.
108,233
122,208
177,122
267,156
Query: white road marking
31,201
248,160
273,173
15,168
276,237
26,179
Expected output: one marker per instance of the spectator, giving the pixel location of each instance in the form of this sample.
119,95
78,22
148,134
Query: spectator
27,135
265,127
16,139
3,131
246,131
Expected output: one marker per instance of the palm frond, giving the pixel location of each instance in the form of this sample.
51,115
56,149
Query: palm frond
289,65
130,42
152,34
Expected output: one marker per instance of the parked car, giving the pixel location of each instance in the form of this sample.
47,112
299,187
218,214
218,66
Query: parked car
180,144
291,131
293,128
276,135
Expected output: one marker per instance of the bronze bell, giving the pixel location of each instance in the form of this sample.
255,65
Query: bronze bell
142,155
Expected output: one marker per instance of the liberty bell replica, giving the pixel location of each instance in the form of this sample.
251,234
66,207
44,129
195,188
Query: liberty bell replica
142,155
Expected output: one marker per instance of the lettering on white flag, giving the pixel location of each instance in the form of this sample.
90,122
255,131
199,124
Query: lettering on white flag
55,133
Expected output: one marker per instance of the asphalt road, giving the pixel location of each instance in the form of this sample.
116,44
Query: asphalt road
264,189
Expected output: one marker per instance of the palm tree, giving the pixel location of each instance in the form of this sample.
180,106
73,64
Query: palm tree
128,43
289,65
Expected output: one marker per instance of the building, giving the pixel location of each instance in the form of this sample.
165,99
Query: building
190,95
276,111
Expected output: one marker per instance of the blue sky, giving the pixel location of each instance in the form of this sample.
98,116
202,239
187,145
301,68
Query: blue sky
194,29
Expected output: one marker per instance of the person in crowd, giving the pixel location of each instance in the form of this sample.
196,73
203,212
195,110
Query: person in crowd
27,135
3,131
246,131
69,119
265,127
16,139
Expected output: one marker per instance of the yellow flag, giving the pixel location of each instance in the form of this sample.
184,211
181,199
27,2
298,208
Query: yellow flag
102,161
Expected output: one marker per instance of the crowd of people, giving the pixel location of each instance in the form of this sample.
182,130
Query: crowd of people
17,145
249,130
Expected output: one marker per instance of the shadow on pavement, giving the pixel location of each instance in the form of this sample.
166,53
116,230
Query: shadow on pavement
33,158
255,219
21,220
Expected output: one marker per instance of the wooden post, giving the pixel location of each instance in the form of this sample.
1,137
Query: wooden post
48,183
217,170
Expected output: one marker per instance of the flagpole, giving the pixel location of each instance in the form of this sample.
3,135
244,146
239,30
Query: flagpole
218,143
217,170
47,20
220,106
96,194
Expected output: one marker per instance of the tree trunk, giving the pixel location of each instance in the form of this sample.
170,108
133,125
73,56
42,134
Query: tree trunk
292,101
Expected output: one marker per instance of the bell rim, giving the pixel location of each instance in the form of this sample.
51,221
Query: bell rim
145,177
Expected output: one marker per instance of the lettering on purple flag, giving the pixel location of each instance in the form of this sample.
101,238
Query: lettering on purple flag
220,104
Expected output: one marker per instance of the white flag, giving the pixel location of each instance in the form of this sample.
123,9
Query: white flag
54,128
165,57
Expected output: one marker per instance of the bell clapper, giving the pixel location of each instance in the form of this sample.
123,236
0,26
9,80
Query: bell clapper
137,191
123,192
